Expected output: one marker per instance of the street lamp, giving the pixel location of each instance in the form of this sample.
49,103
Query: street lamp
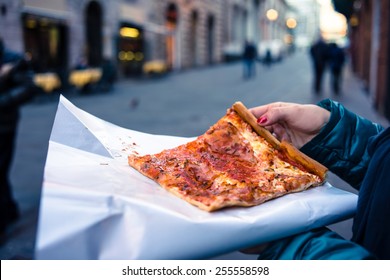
291,23
272,14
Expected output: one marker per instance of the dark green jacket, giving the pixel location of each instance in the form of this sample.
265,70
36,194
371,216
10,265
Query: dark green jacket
16,88
347,145
342,143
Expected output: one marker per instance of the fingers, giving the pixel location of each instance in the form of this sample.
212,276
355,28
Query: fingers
293,122
274,113
279,131
261,110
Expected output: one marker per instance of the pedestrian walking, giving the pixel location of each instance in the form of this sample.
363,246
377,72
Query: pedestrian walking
108,75
16,88
249,57
267,58
336,58
318,53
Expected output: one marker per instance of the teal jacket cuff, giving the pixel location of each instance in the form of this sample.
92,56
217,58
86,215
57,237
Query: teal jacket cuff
342,143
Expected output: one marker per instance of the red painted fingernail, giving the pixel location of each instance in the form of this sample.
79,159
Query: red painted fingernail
262,120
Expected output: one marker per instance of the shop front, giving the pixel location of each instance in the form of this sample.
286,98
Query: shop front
130,52
45,40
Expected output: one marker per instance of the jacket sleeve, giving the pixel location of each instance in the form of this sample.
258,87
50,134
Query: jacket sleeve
318,244
22,87
341,145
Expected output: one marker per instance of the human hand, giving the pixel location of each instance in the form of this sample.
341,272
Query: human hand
295,123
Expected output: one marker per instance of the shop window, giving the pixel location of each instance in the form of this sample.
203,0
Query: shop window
130,54
45,40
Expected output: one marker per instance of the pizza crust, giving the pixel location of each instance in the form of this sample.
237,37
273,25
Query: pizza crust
285,147
247,116
231,165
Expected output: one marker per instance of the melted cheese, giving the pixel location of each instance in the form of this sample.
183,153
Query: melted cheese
228,165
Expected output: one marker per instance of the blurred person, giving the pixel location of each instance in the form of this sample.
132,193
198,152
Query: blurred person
16,88
319,55
268,58
336,58
249,57
82,63
355,149
108,75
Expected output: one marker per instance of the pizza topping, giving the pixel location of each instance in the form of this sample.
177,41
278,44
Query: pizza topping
229,165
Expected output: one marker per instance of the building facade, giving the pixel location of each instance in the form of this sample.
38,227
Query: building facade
369,22
59,34
193,32
307,14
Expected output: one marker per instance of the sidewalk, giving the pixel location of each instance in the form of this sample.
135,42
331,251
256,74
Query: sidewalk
182,104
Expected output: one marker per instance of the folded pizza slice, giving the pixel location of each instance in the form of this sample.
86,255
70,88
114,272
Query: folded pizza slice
234,163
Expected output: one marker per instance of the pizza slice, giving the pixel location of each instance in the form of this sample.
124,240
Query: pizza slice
234,163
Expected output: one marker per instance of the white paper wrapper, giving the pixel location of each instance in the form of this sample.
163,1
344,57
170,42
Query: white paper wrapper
95,206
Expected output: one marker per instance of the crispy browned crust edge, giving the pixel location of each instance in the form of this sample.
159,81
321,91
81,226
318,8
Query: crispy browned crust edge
247,116
286,148
310,164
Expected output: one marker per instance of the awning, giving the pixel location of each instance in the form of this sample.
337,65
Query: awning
53,9
136,15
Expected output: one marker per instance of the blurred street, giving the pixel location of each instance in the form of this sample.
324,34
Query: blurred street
181,104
